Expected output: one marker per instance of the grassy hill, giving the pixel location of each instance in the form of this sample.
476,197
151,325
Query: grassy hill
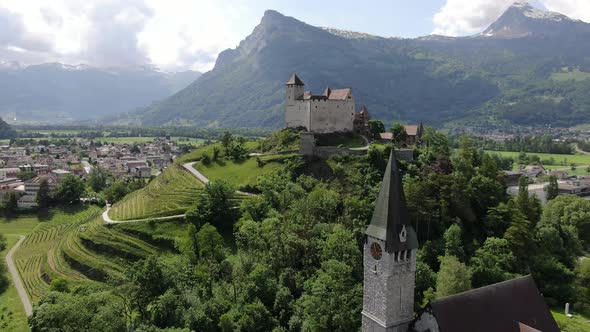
171,193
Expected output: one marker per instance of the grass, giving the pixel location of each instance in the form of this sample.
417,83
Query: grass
241,174
39,258
577,323
139,140
563,160
12,312
171,193
566,75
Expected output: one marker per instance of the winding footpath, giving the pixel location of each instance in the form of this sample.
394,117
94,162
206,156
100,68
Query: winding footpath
191,169
22,293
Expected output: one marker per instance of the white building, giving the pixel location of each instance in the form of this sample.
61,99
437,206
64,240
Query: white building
333,111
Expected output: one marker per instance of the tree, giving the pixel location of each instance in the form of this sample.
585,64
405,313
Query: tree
376,127
454,277
569,210
332,299
70,189
552,188
97,179
492,263
399,133
43,198
215,206
26,175
453,245
2,242
10,205
210,243
116,192
583,284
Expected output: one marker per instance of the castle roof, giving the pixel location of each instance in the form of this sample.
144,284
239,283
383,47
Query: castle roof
294,80
364,110
390,217
337,94
511,306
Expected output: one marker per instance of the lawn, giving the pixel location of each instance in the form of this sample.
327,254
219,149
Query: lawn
577,323
172,192
139,140
12,312
563,160
241,174
566,75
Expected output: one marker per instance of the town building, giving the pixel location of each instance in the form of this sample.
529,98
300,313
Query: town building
331,112
389,262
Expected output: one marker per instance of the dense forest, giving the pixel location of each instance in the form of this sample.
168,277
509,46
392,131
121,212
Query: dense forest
290,258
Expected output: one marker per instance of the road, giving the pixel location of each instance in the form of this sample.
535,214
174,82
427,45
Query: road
578,150
16,277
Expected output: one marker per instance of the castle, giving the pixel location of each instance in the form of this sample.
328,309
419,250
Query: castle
331,112
389,261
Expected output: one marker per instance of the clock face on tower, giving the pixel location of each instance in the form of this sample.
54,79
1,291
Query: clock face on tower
376,251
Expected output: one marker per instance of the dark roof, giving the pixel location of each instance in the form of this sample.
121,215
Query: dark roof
294,80
499,307
391,213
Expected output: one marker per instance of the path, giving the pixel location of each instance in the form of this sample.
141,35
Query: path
580,150
16,278
108,220
190,167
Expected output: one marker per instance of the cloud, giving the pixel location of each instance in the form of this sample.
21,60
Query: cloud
173,34
467,17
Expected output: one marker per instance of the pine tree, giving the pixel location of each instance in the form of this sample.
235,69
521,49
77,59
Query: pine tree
552,188
43,198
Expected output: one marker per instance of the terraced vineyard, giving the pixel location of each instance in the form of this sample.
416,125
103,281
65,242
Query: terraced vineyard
39,258
171,193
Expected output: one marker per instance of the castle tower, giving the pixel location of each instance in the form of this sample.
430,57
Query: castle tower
389,260
294,90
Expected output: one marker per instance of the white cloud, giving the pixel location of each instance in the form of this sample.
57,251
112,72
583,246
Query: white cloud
466,17
171,34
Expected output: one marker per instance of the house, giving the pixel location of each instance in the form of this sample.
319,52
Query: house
534,170
29,199
331,112
511,178
7,173
389,262
579,187
559,174
361,122
413,135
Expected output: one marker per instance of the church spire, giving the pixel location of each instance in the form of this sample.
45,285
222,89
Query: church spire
390,221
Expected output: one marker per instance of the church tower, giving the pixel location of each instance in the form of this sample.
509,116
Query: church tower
389,259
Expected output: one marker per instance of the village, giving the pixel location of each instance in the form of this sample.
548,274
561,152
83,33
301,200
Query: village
24,168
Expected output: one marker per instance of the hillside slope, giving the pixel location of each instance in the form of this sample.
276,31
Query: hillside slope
502,77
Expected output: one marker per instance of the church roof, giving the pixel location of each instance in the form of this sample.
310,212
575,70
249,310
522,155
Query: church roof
509,306
294,80
390,216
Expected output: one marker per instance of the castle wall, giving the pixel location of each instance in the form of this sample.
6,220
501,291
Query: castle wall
329,116
297,114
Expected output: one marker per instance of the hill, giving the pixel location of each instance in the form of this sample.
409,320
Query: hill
506,75
58,93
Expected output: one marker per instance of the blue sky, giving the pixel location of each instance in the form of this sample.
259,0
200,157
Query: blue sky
189,34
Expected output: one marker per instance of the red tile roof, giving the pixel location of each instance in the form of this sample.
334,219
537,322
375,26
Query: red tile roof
339,94
411,130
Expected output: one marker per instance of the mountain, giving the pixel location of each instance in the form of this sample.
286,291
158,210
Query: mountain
58,93
528,67
522,19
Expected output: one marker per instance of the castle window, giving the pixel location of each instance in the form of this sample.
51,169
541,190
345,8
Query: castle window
374,269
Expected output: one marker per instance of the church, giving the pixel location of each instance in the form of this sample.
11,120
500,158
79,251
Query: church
389,261
331,112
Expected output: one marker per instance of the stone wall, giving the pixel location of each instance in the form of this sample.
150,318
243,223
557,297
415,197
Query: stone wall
331,116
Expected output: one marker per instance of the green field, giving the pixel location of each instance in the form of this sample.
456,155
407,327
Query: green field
241,174
560,159
172,192
139,140
577,323
12,312
566,75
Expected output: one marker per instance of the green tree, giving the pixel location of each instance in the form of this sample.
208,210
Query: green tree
115,192
70,189
146,279
569,210
97,179
2,242
215,206
399,133
552,188
26,175
332,299
10,205
583,284
453,243
376,127
492,263
454,277
210,243
43,198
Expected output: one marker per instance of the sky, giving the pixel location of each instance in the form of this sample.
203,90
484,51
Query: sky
176,35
